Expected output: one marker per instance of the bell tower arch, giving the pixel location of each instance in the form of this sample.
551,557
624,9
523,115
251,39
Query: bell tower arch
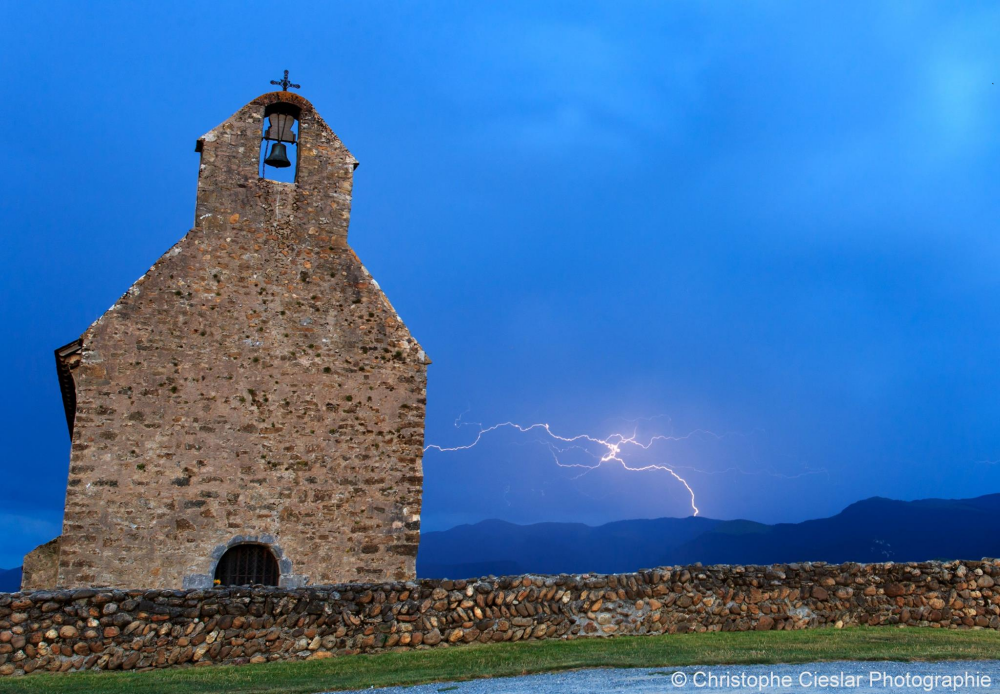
234,185
279,153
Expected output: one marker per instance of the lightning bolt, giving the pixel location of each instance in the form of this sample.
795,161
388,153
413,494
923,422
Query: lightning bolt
612,450
613,445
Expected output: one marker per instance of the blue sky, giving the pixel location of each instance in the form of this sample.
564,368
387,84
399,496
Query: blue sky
775,222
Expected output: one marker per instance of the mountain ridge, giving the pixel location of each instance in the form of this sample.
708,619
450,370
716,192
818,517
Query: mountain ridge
869,530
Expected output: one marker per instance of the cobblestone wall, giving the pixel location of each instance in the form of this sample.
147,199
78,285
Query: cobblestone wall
112,629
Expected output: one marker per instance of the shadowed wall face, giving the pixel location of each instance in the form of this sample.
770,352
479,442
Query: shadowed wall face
254,386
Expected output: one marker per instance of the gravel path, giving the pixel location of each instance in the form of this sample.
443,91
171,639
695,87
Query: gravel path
975,677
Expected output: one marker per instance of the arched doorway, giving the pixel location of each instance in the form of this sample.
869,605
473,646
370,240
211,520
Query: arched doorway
247,564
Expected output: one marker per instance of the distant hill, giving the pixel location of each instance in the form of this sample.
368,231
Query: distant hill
876,529
10,580
498,547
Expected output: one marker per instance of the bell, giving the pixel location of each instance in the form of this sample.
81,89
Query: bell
278,158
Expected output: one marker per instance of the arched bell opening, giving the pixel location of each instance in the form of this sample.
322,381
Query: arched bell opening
248,564
279,153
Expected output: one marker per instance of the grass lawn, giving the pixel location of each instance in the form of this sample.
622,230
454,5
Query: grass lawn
498,660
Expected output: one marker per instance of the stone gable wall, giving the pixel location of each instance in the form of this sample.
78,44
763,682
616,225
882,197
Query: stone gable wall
255,385
137,629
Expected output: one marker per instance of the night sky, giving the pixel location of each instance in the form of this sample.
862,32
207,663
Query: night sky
766,229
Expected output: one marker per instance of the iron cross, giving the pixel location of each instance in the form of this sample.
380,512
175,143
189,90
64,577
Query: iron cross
285,84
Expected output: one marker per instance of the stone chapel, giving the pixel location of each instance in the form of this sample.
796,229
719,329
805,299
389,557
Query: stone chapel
251,410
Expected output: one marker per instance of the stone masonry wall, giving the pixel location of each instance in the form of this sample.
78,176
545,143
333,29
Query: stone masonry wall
255,385
41,567
137,629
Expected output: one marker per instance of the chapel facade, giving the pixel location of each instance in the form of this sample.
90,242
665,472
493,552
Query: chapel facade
251,410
